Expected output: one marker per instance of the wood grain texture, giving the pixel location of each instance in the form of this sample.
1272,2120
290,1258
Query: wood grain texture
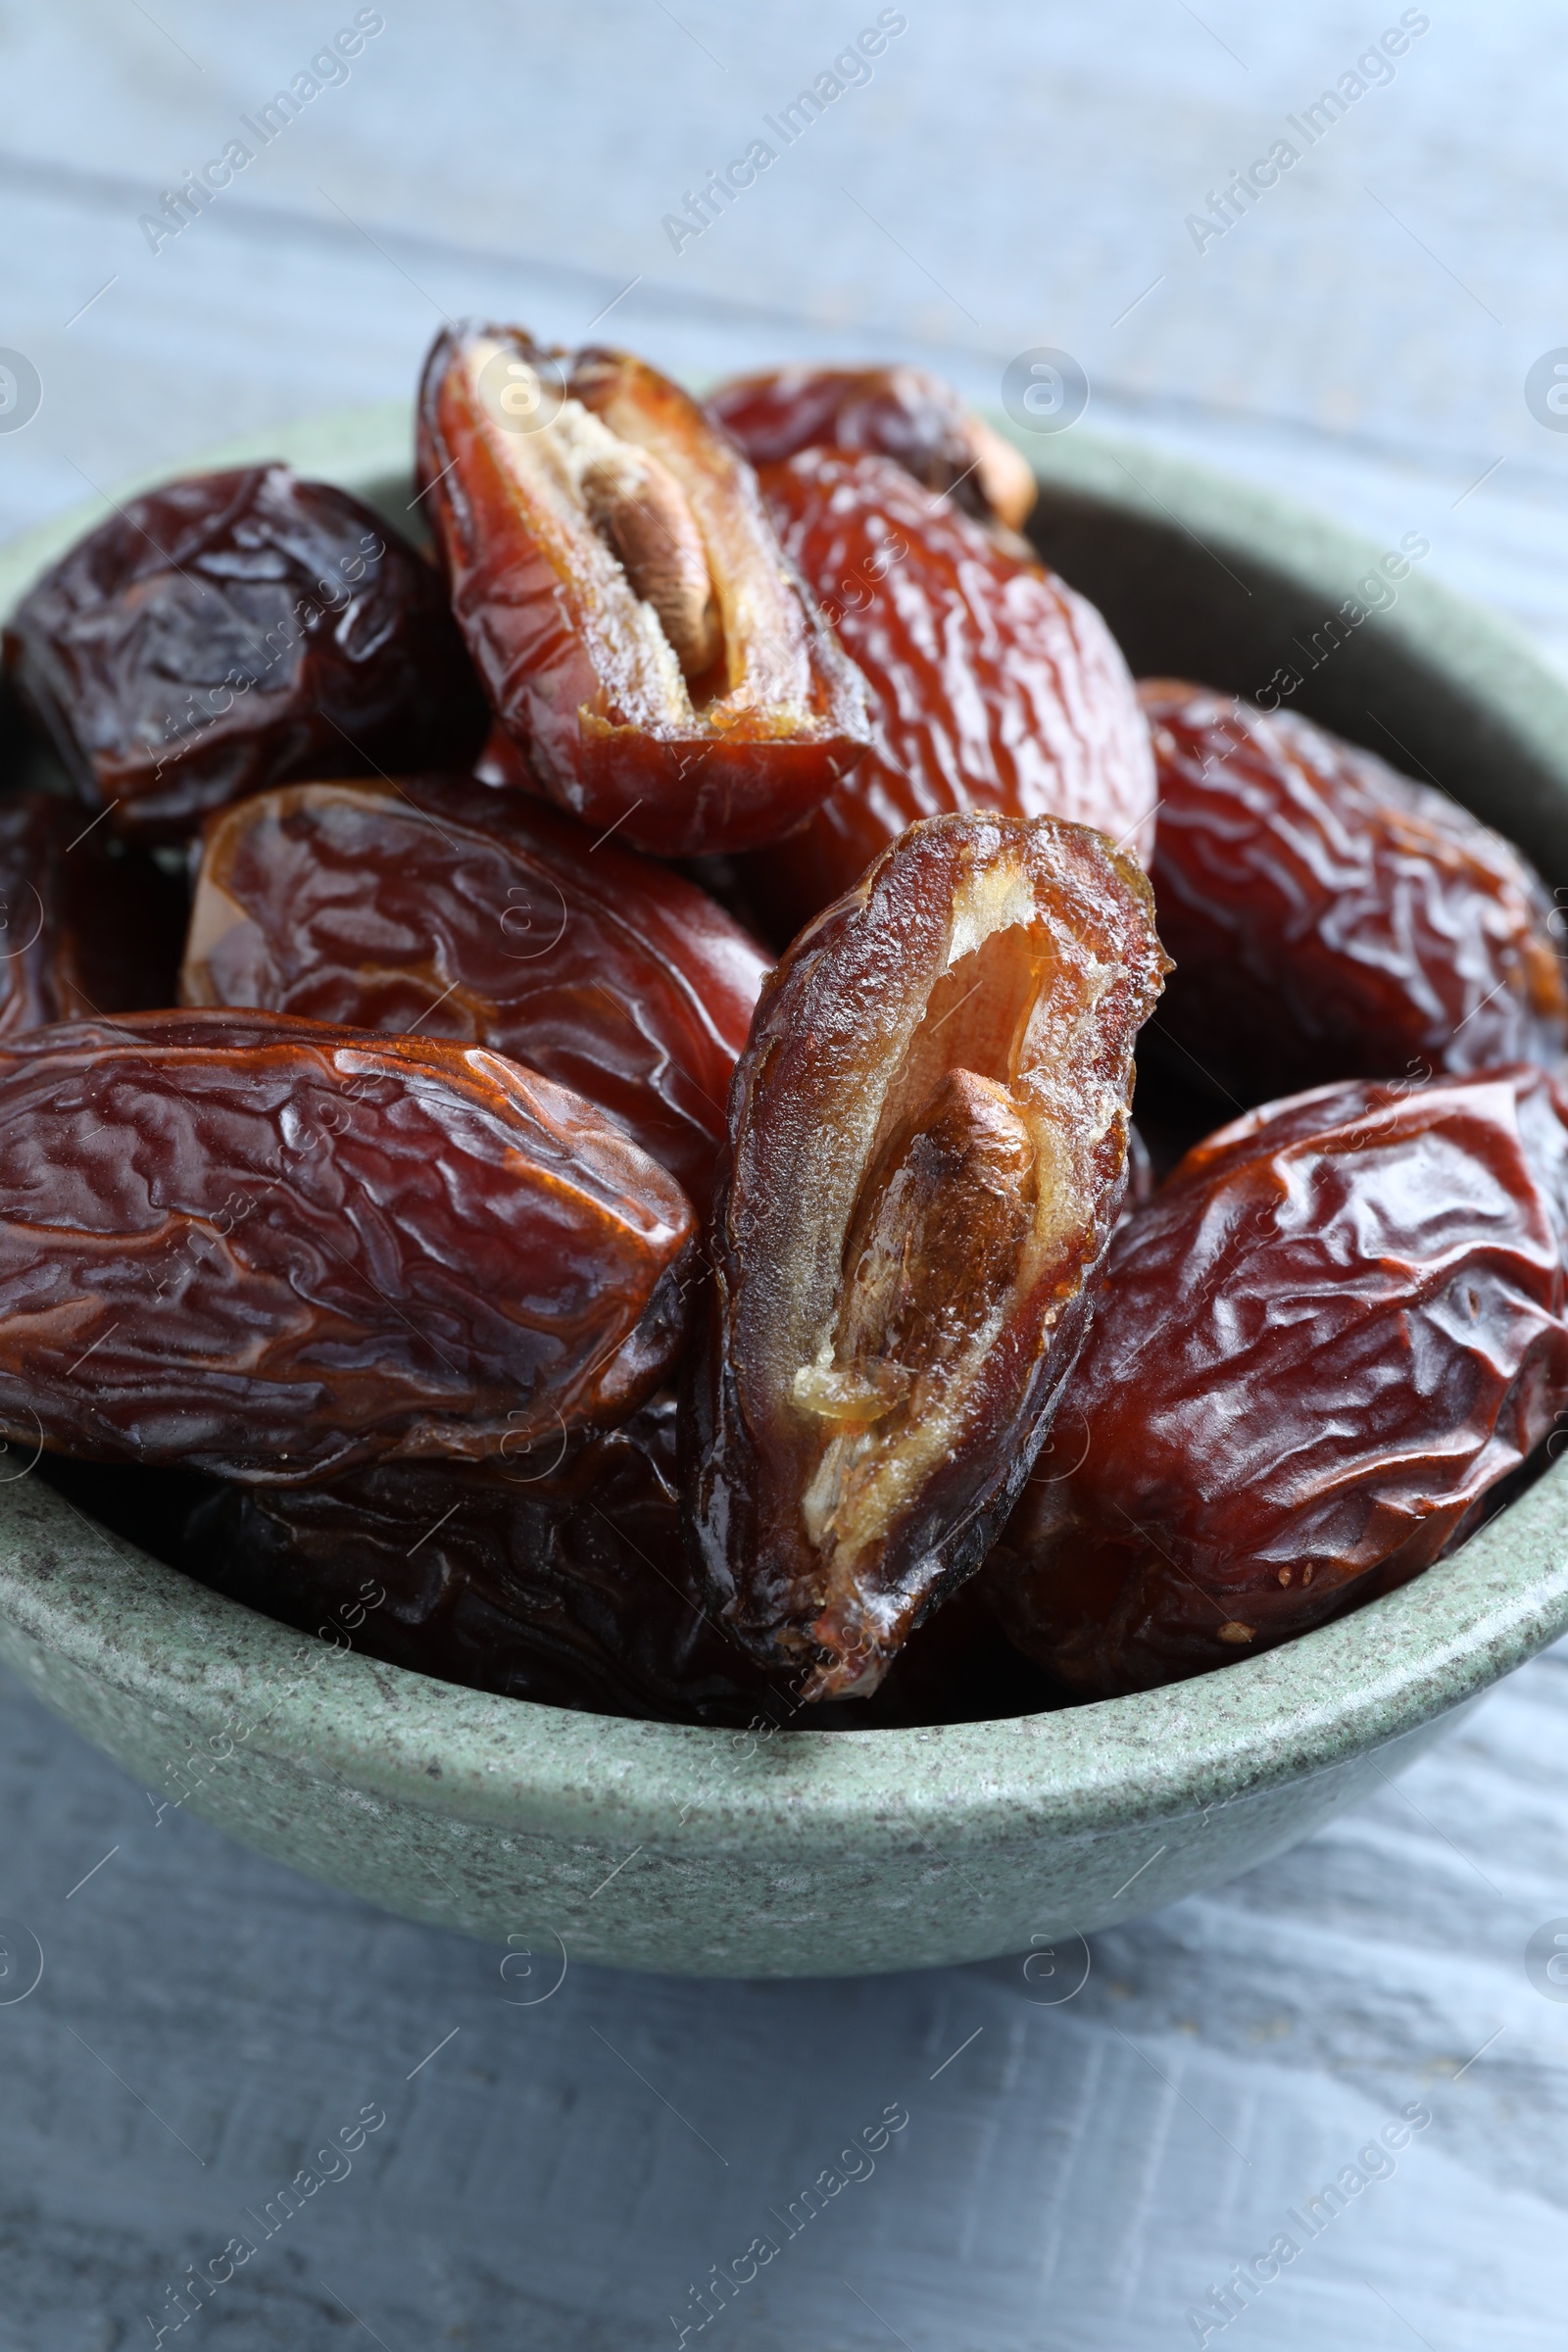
560,2176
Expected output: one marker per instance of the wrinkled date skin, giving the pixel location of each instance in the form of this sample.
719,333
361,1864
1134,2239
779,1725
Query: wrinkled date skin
84,928
440,906
928,1154
230,631
1328,917
556,1574
275,1249
1336,1326
992,685
625,601
902,413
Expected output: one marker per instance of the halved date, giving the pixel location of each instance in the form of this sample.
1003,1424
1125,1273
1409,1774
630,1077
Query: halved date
624,598
441,906
1336,1326
85,927
902,413
992,685
230,630
274,1248
928,1154
1329,917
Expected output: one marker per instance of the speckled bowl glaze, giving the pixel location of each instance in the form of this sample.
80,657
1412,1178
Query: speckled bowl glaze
585,1838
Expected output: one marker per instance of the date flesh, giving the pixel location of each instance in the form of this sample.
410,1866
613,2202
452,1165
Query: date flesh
234,630
441,906
928,1154
1338,1325
85,927
992,684
1328,917
902,413
275,1249
625,601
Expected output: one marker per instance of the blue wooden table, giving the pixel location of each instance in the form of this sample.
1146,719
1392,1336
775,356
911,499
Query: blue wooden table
567,2172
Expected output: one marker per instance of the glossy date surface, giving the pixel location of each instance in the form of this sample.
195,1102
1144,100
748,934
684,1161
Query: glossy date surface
992,684
274,1250
229,631
1328,917
440,906
624,598
85,926
928,1154
907,414
1336,1327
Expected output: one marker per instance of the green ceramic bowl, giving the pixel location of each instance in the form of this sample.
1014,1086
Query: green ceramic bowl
650,1847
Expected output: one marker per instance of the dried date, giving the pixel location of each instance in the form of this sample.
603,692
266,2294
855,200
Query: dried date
442,906
85,927
232,630
559,1576
1338,1325
902,413
501,763
637,627
992,685
556,1576
928,1154
275,1249
1328,917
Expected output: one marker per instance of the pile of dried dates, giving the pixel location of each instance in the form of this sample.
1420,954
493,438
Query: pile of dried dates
568,1101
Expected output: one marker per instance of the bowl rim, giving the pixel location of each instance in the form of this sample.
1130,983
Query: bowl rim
104,1610
113,1615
